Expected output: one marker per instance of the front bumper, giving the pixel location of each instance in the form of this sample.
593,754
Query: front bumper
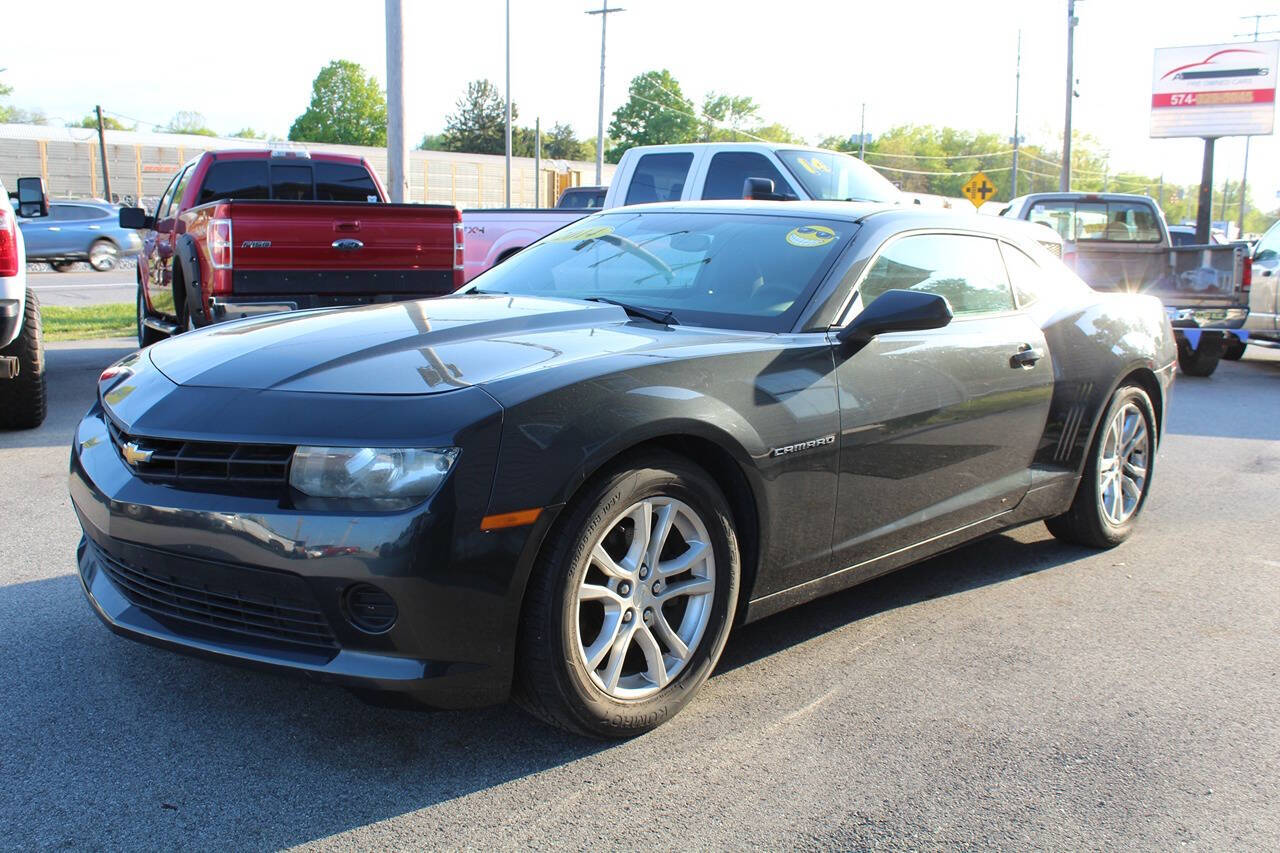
217,576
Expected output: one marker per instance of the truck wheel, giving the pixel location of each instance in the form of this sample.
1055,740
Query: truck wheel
1234,350
103,255
631,599
1202,360
22,399
1117,478
146,335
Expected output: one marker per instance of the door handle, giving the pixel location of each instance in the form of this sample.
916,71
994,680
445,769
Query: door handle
1026,357
54,228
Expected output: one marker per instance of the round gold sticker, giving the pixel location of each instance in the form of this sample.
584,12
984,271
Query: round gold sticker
810,236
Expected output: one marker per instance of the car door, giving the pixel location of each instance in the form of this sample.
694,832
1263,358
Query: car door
72,222
1264,295
160,270
937,428
44,235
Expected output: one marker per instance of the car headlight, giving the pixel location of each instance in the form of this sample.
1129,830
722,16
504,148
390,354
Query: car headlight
370,472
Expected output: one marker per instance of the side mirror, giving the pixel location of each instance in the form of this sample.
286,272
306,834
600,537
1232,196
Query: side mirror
762,189
897,311
136,218
32,200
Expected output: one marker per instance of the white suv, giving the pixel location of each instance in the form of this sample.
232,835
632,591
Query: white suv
22,383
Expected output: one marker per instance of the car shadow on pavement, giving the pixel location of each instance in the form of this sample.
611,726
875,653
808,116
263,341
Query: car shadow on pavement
990,561
108,741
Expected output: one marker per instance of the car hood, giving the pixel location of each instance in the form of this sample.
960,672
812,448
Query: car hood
420,347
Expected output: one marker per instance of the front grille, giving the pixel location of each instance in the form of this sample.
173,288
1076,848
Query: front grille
217,465
254,616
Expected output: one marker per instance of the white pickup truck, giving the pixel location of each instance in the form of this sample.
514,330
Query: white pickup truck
711,170
1119,241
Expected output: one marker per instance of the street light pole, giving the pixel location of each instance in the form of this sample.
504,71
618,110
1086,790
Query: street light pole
1064,183
604,12
862,134
396,157
1017,100
508,196
102,146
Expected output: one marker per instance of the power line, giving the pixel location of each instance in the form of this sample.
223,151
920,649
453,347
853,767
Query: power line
941,156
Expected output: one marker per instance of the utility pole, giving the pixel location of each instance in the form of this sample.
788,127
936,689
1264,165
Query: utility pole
1064,183
1244,175
508,196
1017,101
397,159
537,161
1204,200
604,12
862,134
102,147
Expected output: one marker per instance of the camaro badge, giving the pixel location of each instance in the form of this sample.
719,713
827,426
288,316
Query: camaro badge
135,455
803,445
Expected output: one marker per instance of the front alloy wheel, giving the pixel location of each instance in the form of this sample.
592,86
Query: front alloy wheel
631,599
645,598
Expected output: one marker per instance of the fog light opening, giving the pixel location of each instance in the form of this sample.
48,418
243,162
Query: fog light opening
369,608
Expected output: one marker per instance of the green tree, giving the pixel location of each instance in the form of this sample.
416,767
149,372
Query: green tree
656,113
186,121
721,110
248,133
109,123
347,107
560,143
432,142
480,124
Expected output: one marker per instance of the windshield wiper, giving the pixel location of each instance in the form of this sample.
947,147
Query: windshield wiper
666,318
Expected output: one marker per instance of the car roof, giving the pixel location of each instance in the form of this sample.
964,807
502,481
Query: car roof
83,202
905,216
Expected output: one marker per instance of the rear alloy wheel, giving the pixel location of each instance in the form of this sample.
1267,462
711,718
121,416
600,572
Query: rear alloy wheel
103,255
631,601
1117,477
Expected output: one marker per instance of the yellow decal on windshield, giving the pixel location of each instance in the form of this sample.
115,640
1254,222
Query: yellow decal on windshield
577,235
813,165
810,236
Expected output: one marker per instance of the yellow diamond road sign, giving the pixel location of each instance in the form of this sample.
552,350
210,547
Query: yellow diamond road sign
979,189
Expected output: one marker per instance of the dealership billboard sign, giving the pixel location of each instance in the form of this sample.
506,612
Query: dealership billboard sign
1215,90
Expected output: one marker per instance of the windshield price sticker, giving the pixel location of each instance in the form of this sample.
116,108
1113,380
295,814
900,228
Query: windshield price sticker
813,165
810,236
577,235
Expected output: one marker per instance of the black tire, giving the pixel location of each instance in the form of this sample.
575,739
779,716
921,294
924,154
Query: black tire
62,266
103,255
1202,360
23,403
552,680
146,335
1085,523
1234,350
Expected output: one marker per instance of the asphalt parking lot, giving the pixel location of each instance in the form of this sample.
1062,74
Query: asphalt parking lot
1016,693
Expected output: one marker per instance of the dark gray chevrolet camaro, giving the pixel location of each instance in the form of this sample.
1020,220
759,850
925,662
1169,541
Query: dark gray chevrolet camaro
569,481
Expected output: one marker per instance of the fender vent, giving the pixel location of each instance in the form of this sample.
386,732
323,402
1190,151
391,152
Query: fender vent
1071,424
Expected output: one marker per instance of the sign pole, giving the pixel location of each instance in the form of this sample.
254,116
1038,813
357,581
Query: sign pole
1204,212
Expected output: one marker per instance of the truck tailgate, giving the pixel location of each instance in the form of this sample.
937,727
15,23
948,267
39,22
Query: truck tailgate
283,247
1185,276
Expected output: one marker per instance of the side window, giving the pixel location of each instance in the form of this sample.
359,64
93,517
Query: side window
659,177
729,169
175,200
966,270
291,182
1269,246
67,212
242,179
1024,274
344,182
162,206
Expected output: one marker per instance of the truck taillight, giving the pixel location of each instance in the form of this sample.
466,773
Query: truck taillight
219,239
1246,274
8,244
458,256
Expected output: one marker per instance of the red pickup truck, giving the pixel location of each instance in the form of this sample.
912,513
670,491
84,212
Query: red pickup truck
239,233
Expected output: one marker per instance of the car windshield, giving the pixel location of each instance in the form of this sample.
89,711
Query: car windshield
731,271
830,176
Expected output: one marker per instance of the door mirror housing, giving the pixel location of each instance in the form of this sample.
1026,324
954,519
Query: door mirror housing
136,218
897,311
32,199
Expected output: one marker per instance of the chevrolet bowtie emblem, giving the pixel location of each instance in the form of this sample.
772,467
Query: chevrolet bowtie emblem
134,455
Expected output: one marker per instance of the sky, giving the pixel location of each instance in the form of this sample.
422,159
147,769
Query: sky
809,66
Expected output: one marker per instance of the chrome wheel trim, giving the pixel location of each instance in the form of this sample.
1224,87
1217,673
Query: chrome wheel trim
102,256
1124,460
645,598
